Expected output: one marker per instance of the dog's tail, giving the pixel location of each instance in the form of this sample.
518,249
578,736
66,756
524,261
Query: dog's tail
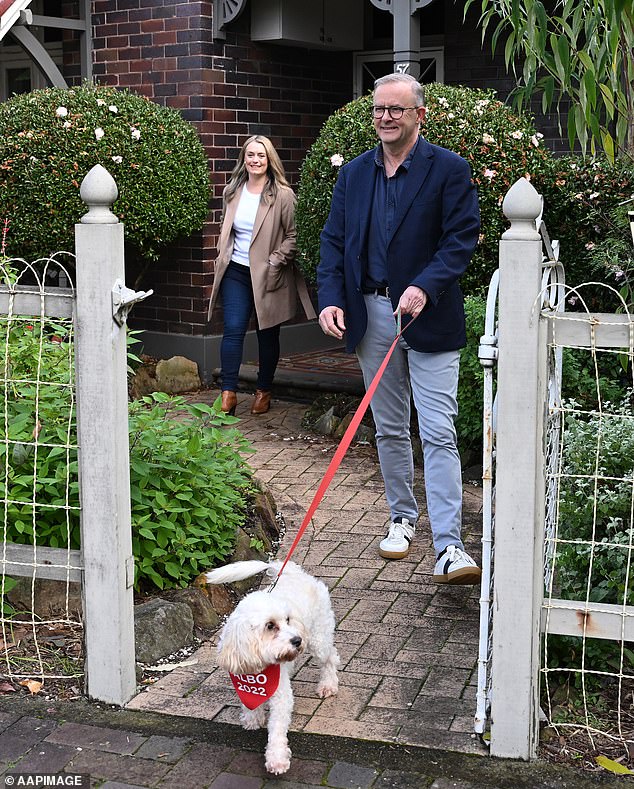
237,571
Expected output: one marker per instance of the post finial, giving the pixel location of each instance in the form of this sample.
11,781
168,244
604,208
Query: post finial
99,191
521,206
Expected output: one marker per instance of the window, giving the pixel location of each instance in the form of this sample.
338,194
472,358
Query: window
18,73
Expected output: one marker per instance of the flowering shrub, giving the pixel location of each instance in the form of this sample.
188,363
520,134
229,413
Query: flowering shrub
585,208
499,146
50,139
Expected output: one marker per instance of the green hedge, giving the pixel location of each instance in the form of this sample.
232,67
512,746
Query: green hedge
50,139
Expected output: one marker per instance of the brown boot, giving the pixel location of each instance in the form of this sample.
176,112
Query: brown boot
229,402
262,402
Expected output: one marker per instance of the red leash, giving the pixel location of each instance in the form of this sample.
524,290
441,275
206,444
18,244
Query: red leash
344,443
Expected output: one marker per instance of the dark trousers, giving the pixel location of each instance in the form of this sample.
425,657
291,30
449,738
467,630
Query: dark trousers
236,293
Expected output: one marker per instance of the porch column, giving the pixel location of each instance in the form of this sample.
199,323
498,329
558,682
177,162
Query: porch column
406,38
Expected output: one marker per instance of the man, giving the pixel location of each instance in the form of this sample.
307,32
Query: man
403,224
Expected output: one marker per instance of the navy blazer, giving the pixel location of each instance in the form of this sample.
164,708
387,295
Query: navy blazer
435,231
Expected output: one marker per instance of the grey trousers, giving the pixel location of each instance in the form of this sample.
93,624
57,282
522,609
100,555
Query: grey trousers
432,378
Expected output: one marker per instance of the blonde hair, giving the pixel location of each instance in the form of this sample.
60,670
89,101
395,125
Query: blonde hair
274,171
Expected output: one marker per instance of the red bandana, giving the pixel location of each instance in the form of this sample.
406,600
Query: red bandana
255,689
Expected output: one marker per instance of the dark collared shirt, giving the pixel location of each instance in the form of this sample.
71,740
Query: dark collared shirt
387,192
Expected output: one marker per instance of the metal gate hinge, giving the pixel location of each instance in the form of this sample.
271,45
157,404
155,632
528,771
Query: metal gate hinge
129,572
123,299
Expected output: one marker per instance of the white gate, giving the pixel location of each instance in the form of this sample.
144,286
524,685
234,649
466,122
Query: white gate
527,476
91,451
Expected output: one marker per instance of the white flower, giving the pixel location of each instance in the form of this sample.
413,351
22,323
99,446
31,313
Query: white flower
487,139
590,245
100,102
450,115
117,159
336,160
67,124
61,112
443,102
99,133
136,134
490,174
517,135
113,108
593,195
618,275
535,140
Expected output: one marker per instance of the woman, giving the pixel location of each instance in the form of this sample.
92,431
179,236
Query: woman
255,269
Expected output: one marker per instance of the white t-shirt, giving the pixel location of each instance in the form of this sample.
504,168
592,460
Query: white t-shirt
243,226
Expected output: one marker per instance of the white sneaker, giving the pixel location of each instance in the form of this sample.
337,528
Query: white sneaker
395,545
455,566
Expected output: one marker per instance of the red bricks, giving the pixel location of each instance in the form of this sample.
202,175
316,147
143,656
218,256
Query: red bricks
229,90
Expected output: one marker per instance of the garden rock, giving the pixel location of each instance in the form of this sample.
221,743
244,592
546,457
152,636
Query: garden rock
222,598
144,379
363,434
47,599
177,375
161,627
205,617
327,423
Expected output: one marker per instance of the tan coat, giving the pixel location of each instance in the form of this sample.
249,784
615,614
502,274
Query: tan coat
275,278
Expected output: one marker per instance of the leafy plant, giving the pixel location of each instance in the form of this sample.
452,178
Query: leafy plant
50,139
596,535
499,146
471,380
584,202
7,609
578,49
41,443
595,502
189,488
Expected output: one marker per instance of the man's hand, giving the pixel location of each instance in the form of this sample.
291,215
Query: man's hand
412,302
331,322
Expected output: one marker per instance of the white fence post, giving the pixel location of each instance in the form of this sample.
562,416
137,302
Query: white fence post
104,473
518,581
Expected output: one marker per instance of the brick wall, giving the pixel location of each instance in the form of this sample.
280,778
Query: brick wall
229,90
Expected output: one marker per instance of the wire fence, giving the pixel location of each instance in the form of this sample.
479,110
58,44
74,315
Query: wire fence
588,670
40,567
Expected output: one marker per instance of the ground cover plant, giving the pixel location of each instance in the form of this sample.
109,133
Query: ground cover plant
190,485
50,139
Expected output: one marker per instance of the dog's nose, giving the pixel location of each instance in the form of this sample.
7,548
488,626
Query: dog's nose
296,642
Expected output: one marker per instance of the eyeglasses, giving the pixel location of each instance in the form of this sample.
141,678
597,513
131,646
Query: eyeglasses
395,113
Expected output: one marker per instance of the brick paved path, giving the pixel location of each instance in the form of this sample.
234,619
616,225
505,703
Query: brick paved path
408,647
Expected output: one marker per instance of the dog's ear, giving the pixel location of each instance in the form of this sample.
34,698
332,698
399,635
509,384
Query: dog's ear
239,647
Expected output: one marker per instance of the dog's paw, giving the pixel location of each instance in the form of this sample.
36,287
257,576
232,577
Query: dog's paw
325,690
278,763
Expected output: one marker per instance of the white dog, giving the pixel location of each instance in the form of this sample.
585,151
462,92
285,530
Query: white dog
269,628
